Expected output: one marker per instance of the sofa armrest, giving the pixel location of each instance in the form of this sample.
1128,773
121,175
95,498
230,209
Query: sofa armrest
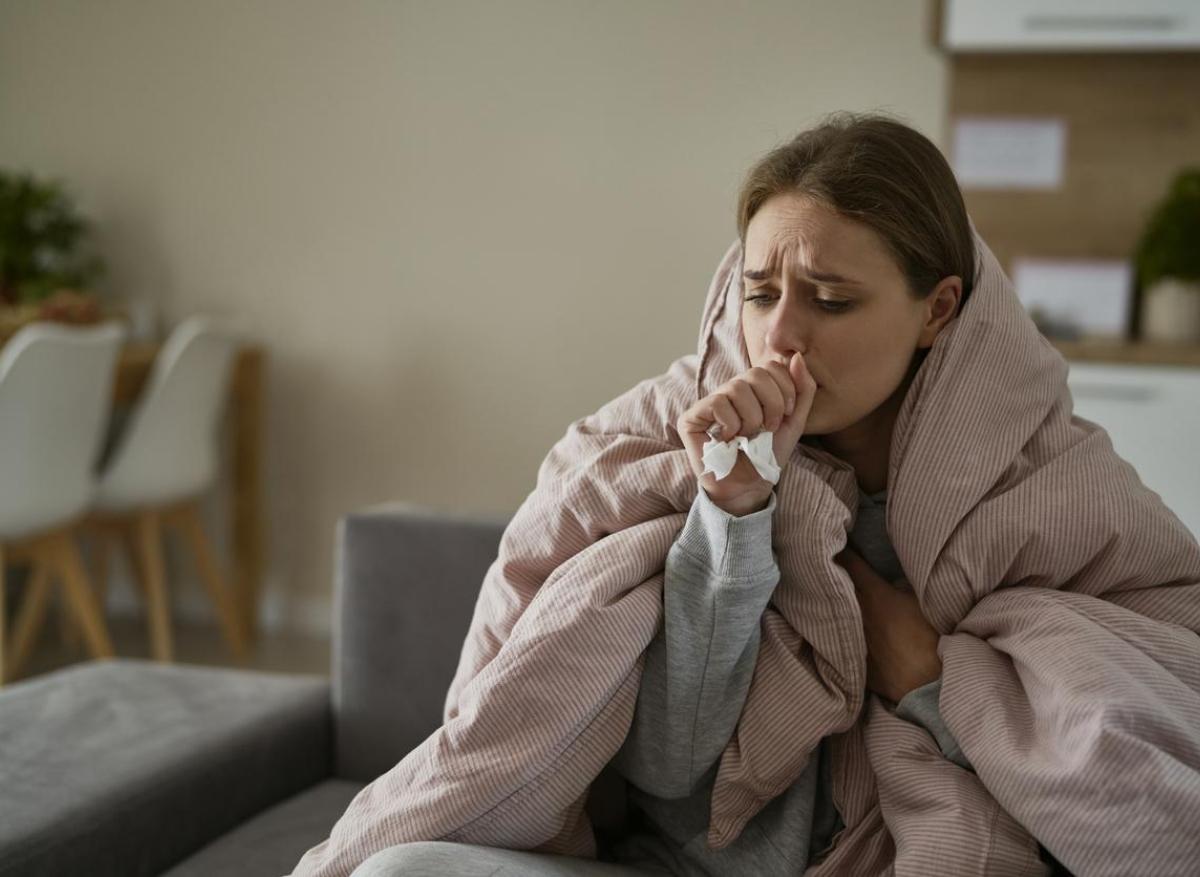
407,579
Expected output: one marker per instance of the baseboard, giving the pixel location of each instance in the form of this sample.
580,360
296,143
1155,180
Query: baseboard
278,612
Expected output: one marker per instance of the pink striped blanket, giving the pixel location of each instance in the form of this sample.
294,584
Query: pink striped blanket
1066,593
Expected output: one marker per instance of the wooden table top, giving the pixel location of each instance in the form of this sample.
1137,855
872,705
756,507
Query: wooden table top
1129,352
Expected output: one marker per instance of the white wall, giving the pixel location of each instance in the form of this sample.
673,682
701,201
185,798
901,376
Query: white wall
456,226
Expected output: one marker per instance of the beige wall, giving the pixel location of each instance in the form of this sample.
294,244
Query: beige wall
456,226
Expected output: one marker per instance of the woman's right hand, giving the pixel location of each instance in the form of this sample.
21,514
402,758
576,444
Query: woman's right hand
773,397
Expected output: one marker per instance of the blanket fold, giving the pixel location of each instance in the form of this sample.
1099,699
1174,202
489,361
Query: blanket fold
1066,593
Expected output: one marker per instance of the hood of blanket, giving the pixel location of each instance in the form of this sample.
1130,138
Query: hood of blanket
988,383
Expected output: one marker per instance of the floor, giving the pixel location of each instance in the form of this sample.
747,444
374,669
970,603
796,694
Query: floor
194,644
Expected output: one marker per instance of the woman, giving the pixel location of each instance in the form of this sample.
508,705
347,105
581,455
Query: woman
837,315
1011,669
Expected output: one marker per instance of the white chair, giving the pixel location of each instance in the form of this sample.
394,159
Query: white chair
55,398
161,465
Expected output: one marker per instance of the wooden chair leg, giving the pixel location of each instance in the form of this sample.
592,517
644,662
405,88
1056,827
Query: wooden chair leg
133,558
80,596
30,617
3,621
100,572
187,519
99,539
148,536
68,631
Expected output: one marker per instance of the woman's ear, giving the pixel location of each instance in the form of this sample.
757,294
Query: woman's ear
941,306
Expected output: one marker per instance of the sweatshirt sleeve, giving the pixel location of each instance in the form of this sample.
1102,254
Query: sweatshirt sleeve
719,575
920,706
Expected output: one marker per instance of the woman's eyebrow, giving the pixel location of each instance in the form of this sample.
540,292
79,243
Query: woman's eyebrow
819,276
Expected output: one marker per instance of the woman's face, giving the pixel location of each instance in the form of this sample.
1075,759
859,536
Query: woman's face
827,286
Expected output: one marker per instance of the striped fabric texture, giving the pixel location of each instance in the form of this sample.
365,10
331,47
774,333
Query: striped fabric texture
1066,593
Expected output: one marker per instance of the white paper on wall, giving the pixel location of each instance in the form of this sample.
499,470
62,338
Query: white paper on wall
1009,153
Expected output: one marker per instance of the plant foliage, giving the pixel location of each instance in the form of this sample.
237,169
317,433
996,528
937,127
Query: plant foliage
43,241
1170,245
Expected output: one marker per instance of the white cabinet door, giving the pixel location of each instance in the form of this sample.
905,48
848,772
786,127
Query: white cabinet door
1152,415
1070,25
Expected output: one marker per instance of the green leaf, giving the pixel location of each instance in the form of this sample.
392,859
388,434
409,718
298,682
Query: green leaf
1170,243
43,238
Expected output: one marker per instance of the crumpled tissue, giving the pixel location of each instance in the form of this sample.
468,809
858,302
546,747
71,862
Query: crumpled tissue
720,457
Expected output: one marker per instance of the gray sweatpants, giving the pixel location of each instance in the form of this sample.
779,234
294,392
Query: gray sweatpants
442,859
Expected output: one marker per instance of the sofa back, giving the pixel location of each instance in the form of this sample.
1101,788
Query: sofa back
407,581
407,578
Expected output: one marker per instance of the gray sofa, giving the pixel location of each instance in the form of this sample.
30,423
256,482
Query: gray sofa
129,767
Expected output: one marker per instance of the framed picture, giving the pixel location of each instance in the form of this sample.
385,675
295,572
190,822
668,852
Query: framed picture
1084,299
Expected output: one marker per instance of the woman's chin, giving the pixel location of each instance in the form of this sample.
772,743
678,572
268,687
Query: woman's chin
821,421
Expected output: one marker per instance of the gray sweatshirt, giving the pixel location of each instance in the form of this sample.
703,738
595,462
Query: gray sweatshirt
719,576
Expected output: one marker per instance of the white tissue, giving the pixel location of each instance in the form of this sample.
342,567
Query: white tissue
720,457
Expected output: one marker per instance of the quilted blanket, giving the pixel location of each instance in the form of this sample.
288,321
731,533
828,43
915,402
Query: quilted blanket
1067,597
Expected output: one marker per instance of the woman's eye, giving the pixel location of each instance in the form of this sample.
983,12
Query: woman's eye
828,305
834,307
760,301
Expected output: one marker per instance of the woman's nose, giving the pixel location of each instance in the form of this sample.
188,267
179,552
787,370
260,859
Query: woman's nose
787,331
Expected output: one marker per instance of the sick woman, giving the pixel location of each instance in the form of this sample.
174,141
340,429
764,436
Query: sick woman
850,590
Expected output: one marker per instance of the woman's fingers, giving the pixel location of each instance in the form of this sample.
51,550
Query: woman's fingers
759,400
784,384
741,393
802,378
724,413
770,396
745,398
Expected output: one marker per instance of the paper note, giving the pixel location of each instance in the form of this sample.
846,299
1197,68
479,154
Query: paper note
1009,153
1092,297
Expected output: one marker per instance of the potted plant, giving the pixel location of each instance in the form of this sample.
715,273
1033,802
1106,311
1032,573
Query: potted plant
1168,264
45,265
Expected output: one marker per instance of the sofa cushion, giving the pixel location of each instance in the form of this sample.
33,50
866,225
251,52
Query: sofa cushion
273,842
127,767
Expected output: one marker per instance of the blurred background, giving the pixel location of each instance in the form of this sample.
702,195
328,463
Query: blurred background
446,230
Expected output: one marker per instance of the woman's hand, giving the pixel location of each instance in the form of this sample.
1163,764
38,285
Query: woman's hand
774,397
901,645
